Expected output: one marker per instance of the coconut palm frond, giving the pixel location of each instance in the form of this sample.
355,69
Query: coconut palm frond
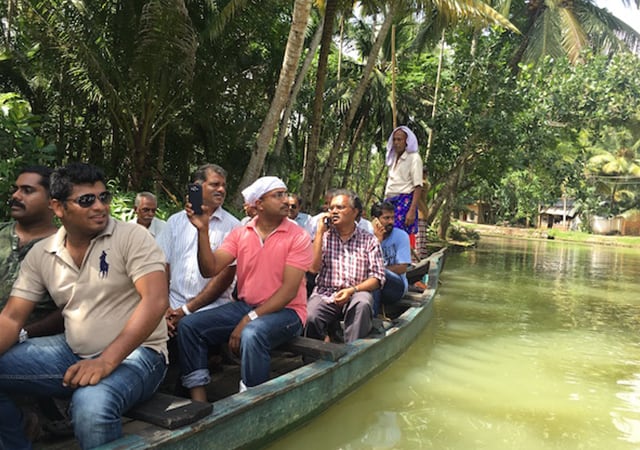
216,26
166,39
574,39
475,11
607,32
165,57
84,53
544,37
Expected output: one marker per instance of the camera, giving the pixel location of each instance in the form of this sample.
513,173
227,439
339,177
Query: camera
194,196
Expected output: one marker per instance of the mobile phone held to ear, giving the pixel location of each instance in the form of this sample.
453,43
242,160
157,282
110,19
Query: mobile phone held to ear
327,222
195,197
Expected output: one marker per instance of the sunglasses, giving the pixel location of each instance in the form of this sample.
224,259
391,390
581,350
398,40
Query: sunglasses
86,200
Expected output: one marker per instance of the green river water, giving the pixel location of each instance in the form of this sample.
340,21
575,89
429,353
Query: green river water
533,345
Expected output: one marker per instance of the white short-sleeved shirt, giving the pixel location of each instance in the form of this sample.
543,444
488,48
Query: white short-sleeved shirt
404,175
98,298
156,227
179,241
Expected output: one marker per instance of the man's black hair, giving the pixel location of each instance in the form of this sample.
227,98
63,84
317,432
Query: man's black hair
200,175
378,208
64,178
43,171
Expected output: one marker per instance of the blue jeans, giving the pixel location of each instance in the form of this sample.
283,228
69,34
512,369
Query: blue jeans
395,286
197,332
37,366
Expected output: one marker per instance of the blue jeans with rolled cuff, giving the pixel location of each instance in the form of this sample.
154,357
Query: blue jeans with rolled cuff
37,367
197,332
395,286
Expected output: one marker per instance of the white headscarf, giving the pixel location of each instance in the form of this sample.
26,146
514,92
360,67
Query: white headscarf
260,187
412,144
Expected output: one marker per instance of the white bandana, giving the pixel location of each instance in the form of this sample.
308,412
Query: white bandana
260,187
412,144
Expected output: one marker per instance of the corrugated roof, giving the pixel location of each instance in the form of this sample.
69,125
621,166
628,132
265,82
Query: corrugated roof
554,211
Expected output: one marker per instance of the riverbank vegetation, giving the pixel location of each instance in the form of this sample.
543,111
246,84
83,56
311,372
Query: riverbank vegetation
581,237
511,112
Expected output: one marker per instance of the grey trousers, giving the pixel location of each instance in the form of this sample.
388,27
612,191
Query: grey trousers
357,314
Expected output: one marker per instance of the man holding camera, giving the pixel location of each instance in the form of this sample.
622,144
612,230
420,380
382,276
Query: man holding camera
272,255
189,291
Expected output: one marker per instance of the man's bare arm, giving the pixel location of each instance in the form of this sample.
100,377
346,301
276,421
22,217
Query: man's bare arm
52,323
317,245
397,268
209,263
12,319
411,214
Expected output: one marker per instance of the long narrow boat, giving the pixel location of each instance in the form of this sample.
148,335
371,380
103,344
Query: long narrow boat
261,414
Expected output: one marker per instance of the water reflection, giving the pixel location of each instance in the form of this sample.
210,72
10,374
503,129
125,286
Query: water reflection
534,345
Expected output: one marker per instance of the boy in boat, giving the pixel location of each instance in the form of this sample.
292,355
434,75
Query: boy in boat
349,264
272,255
108,278
396,252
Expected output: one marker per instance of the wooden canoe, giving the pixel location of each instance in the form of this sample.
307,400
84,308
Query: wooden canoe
253,418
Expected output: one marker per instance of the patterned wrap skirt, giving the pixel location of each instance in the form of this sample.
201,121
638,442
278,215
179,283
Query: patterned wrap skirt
402,203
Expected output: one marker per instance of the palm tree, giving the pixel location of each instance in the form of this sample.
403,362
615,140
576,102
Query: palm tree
135,59
295,44
615,173
559,27
452,10
310,160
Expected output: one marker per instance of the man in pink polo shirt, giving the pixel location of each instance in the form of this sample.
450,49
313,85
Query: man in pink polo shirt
272,253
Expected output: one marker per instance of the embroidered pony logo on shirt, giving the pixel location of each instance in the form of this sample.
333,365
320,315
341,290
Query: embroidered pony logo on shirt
104,265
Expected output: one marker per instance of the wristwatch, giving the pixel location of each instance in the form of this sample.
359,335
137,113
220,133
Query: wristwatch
23,336
253,315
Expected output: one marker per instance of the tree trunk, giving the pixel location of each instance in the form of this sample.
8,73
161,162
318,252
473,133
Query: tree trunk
445,217
356,99
295,43
157,176
286,117
309,169
140,156
452,181
352,151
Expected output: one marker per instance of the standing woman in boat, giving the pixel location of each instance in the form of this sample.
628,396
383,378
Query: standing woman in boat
404,183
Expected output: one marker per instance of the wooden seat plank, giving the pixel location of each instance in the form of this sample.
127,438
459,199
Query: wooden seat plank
169,411
314,348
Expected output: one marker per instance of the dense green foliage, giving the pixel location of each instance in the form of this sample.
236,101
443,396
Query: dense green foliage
150,89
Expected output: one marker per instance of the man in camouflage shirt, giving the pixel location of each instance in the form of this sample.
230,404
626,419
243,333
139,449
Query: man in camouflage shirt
33,221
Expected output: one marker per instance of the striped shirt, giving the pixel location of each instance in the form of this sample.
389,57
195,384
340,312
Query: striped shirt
179,241
345,264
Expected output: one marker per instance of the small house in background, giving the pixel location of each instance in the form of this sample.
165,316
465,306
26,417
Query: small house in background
561,216
479,212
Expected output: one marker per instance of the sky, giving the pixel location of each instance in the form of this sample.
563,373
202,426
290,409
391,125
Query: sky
630,16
